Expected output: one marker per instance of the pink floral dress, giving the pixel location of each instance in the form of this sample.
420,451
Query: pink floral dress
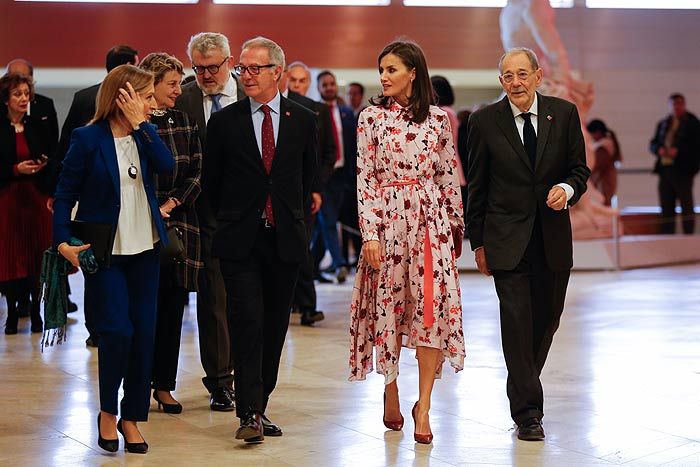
408,199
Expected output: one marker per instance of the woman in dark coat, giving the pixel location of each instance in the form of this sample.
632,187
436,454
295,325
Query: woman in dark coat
176,194
25,221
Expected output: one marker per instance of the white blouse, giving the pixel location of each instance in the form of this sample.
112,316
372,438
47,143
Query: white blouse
136,231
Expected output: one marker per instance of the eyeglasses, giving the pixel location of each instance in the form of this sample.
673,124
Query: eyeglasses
522,76
212,69
252,69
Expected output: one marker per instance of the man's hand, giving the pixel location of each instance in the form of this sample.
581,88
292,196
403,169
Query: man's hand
556,199
480,258
316,201
49,204
372,253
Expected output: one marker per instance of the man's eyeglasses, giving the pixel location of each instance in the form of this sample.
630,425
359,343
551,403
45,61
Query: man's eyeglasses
252,69
212,69
522,76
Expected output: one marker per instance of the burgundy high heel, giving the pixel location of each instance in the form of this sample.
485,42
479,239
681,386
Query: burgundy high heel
395,425
420,437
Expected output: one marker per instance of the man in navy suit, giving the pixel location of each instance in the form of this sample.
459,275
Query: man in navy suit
259,166
345,129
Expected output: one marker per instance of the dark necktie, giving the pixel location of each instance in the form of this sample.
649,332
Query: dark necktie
335,131
215,104
268,154
529,138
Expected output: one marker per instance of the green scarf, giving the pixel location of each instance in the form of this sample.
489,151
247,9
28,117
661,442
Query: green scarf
54,283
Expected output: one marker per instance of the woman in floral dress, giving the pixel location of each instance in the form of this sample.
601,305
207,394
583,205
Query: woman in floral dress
407,285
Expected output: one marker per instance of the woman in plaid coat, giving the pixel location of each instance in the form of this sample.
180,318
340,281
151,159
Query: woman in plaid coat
176,194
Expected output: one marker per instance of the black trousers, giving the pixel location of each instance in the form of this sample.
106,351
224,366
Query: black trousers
531,303
305,291
213,321
676,185
166,352
259,293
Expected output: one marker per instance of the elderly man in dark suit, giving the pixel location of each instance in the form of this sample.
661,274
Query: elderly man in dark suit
526,165
259,166
305,294
215,88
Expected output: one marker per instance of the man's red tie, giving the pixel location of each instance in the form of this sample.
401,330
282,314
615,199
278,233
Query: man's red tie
335,132
268,154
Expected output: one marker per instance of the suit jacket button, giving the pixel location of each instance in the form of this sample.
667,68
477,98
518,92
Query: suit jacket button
269,182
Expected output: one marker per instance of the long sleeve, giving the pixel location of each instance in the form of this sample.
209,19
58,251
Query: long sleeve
478,183
188,191
213,163
576,152
447,176
157,152
68,190
369,204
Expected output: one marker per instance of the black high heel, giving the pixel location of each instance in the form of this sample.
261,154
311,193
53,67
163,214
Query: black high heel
110,445
167,408
136,448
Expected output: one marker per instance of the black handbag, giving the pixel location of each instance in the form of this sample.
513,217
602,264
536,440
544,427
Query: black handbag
100,236
174,252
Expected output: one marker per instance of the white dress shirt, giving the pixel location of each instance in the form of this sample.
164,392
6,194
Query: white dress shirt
520,125
229,95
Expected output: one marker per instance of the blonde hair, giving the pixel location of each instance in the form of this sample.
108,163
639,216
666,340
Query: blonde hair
116,79
160,63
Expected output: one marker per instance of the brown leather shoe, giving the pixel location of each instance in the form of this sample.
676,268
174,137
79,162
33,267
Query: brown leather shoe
251,429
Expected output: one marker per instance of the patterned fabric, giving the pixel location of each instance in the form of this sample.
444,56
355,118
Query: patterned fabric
215,102
268,155
409,200
181,138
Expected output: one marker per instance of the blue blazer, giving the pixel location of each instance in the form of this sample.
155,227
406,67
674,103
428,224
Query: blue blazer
90,176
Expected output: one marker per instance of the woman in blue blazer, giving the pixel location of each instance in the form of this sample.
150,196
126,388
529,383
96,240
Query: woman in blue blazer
109,170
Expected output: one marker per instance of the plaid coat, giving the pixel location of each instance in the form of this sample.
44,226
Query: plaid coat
180,136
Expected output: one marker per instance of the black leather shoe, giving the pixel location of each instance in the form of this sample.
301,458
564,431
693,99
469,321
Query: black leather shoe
269,428
136,448
92,341
531,430
109,445
167,408
220,400
323,279
251,429
308,318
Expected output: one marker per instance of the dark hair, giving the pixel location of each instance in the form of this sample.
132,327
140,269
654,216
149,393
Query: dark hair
324,73
423,94
355,83
443,90
120,55
595,126
676,95
10,81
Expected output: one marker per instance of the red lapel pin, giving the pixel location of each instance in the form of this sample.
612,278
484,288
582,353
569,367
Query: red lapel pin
549,117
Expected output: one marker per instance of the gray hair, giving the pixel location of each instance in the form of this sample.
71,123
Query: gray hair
274,51
299,64
532,57
207,42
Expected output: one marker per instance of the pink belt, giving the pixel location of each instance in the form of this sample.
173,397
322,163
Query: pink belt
428,293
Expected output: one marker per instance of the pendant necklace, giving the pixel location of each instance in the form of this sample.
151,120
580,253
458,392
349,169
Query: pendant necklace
125,144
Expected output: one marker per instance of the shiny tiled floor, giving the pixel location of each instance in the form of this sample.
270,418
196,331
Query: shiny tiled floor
622,387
